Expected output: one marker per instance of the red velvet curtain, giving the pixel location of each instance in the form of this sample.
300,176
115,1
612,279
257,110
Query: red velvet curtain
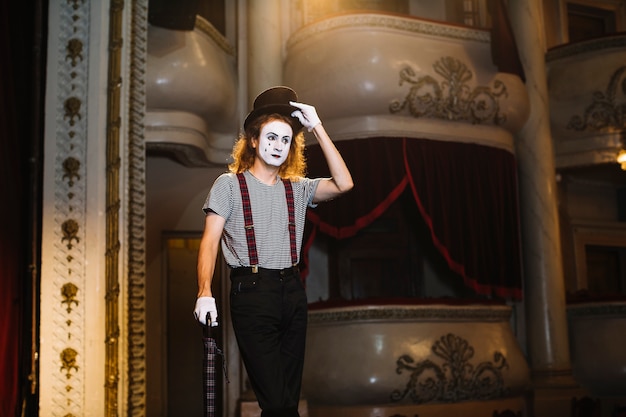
10,251
11,211
465,193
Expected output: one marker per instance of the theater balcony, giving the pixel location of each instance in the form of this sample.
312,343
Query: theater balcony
379,81
587,88
191,94
374,74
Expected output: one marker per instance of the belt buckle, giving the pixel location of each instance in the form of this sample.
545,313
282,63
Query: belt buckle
254,269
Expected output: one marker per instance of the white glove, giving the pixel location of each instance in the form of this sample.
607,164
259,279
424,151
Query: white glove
307,115
206,306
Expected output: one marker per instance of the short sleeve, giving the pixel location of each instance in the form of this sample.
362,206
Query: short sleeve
309,187
220,198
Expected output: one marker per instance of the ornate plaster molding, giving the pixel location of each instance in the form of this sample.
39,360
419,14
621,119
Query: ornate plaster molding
136,206
452,99
113,245
125,160
605,113
426,313
597,309
70,207
456,379
590,46
413,25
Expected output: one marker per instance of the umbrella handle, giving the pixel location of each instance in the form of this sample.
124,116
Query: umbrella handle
207,329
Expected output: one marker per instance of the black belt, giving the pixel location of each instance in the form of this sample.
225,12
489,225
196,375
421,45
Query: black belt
250,270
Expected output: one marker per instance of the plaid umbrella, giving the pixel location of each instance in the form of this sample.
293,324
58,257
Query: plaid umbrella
211,353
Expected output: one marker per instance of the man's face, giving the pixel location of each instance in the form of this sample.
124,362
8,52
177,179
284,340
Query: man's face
274,142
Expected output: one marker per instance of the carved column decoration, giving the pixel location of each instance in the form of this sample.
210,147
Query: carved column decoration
62,370
136,212
112,279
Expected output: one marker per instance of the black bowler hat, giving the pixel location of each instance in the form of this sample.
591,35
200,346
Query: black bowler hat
274,100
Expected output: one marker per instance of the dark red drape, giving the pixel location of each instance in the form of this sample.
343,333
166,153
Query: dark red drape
465,193
10,234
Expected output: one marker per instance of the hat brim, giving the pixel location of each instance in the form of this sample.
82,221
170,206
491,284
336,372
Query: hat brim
282,109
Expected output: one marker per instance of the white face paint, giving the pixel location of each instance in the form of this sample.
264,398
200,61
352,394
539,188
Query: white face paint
274,142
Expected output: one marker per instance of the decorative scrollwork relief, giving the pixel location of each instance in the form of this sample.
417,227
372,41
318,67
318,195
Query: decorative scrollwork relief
70,232
456,379
75,3
71,166
72,109
69,362
64,327
74,50
69,292
606,112
452,99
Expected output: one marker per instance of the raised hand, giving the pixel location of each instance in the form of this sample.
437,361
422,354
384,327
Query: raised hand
307,115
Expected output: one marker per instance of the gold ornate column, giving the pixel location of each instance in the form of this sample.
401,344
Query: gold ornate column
112,270
125,360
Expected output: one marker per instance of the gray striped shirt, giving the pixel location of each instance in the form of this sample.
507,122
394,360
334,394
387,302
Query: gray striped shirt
270,217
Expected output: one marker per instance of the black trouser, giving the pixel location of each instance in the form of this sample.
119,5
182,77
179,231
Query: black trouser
269,313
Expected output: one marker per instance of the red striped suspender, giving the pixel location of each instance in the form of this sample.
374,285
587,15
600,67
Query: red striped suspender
292,221
249,225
